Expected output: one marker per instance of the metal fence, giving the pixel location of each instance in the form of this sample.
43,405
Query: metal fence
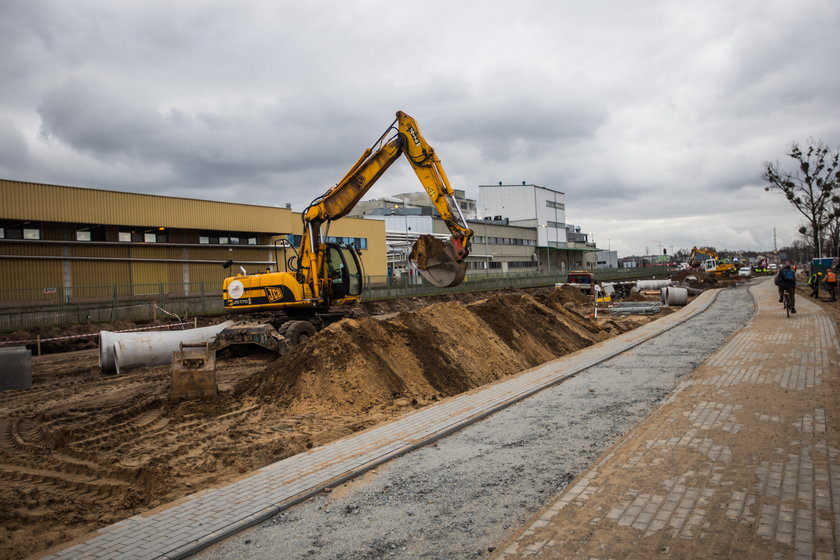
26,308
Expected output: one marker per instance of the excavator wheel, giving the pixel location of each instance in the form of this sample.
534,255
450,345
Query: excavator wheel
298,331
437,262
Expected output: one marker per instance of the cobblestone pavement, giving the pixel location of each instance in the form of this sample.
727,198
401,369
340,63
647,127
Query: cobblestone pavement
741,461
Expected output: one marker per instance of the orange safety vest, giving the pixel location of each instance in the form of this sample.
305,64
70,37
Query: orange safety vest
831,278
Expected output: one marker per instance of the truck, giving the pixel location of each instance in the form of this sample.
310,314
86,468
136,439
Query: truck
581,279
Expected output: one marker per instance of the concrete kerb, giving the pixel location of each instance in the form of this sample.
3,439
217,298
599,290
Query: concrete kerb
609,349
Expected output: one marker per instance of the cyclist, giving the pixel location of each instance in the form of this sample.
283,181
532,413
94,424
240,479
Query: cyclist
786,281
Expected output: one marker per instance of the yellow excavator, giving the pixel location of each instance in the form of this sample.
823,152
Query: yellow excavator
707,260
324,274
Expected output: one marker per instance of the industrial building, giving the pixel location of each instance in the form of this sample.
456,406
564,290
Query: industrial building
559,244
518,228
80,242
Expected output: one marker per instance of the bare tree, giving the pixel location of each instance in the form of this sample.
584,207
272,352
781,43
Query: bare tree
809,187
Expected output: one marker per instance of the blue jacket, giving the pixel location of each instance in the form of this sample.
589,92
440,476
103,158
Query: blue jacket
782,282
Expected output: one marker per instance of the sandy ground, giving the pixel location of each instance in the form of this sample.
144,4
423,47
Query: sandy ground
81,450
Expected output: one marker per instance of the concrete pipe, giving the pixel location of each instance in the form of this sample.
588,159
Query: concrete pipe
651,284
122,351
673,296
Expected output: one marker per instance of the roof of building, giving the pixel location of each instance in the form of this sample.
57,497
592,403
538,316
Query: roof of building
56,203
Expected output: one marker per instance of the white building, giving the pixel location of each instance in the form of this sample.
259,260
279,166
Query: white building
527,205
606,259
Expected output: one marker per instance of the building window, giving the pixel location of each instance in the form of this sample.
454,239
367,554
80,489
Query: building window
522,264
20,230
358,242
131,236
226,238
553,204
142,236
90,233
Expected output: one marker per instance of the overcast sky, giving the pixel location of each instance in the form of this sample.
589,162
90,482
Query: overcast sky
654,117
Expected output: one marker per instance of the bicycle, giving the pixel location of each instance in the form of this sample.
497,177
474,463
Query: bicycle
786,302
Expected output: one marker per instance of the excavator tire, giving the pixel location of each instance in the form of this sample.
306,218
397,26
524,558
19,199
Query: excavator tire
298,331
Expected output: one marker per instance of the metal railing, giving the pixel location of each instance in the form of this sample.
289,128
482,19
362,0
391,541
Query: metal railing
26,308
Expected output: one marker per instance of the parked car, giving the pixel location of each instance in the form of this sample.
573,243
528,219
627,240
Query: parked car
745,271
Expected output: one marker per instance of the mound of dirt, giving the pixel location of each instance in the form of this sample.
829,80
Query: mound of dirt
435,352
570,294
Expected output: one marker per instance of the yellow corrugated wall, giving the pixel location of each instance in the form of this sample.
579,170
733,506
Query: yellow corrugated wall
54,203
375,258
61,208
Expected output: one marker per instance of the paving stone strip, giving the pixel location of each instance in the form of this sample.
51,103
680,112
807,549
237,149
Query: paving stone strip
741,460
199,520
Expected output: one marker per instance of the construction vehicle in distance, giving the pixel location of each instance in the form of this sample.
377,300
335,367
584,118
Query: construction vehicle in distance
582,280
322,274
707,260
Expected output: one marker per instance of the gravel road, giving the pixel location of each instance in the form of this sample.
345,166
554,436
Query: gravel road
461,497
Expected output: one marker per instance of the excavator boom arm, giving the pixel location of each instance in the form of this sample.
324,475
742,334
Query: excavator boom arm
429,170
343,197
443,266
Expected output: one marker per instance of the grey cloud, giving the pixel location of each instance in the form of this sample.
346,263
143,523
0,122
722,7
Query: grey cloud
14,153
653,111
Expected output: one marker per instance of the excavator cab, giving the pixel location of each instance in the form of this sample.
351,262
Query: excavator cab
344,272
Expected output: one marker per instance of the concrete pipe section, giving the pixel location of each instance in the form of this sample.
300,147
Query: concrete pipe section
122,351
652,284
672,295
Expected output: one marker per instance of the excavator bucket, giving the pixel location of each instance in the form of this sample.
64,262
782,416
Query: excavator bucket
193,373
437,262
251,333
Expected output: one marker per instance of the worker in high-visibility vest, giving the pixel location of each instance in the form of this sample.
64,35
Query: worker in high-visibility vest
831,283
814,282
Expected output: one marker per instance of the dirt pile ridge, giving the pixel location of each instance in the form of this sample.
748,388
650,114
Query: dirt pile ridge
438,351
81,450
